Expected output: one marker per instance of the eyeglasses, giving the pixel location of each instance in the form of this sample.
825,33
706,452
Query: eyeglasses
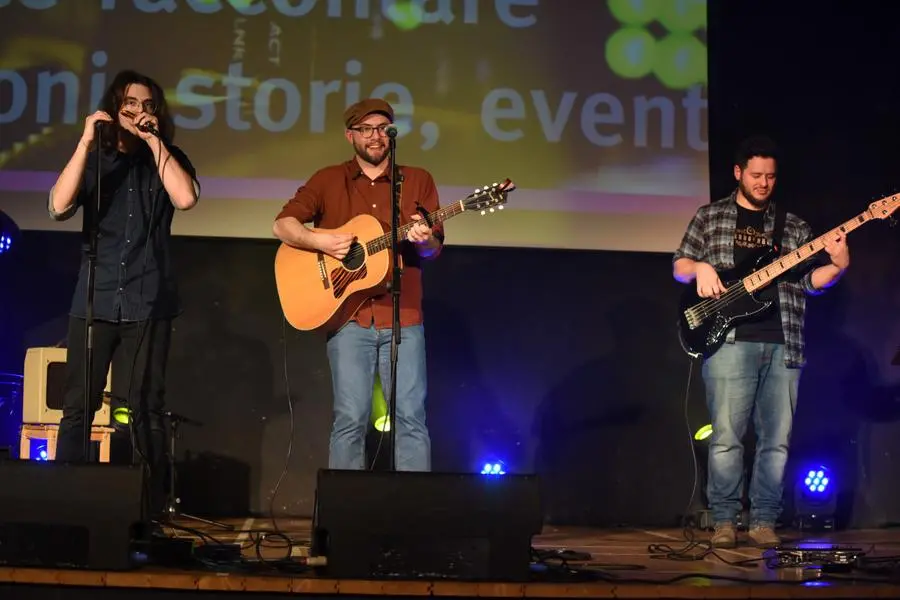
133,104
367,130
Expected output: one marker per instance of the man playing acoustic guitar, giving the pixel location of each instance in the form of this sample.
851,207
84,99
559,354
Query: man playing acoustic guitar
360,345
757,371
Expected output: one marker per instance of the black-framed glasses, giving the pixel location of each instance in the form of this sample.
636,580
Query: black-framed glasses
367,130
133,104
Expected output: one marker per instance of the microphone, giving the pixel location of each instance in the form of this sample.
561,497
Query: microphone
391,130
147,128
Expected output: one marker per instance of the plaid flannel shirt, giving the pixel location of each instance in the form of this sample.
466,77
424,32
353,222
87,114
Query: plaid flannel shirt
710,238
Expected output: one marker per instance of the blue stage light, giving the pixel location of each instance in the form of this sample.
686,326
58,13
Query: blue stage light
815,498
9,234
493,468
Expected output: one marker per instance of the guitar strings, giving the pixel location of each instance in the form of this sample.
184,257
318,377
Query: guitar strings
710,305
815,246
439,216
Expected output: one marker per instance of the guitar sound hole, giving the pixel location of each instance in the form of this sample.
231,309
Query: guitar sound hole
356,257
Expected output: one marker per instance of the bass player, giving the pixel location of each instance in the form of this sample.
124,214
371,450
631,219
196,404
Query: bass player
757,371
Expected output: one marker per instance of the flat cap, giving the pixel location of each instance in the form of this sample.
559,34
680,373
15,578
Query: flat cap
359,111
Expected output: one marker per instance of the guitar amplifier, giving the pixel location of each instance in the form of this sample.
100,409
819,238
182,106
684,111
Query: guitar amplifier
44,385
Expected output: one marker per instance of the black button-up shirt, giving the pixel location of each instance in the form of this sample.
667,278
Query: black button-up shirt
133,278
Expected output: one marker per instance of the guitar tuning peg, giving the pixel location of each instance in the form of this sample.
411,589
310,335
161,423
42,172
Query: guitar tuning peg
500,207
482,212
491,209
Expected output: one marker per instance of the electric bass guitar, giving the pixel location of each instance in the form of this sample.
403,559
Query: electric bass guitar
320,292
704,323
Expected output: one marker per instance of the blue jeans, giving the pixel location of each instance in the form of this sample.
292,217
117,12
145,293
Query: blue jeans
354,353
741,379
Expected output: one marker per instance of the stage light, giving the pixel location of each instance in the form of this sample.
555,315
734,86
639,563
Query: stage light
381,420
703,433
121,416
493,468
817,481
38,450
815,498
9,235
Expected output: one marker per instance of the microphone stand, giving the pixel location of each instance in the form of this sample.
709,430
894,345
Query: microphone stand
173,502
396,180
92,216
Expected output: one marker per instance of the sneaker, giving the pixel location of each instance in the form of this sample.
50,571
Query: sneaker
724,536
763,536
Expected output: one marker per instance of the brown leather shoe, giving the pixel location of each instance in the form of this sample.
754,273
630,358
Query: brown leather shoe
724,536
764,536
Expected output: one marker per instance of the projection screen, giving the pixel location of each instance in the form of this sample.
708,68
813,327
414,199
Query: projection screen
596,110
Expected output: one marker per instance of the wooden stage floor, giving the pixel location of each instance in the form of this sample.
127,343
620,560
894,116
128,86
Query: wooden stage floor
622,563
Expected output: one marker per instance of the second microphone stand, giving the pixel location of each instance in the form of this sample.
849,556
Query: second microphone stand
396,179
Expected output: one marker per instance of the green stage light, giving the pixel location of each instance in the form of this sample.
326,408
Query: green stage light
381,420
703,433
121,415
630,52
680,61
635,12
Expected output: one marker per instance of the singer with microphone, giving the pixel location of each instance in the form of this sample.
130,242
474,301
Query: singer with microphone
128,179
330,198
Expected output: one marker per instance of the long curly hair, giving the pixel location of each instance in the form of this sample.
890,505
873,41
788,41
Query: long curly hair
114,99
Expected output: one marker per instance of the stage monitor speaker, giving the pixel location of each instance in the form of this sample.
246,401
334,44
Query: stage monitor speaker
61,515
405,525
43,386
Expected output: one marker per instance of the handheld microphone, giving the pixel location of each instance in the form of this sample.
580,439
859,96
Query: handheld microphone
145,127
391,130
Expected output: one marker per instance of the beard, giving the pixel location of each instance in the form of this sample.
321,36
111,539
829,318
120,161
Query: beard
753,198
373,153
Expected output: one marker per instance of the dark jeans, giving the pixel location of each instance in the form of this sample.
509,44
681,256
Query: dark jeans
140,351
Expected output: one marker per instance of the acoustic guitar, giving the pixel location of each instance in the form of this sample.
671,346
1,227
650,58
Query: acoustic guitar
320,292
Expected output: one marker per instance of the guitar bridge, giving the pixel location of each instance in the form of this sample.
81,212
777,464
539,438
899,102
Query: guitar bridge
323,274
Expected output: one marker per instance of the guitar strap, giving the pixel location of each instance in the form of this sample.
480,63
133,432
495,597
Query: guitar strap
778,231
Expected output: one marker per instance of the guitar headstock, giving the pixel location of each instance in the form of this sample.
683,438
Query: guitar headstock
484,199
884,208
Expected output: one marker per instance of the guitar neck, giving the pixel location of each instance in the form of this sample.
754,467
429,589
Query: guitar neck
383,242
762,277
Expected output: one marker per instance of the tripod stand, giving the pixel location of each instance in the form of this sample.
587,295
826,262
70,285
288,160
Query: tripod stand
171,511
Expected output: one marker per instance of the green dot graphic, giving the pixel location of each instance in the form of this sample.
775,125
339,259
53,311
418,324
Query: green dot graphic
630,51
635,12
683,16
680,61
406,14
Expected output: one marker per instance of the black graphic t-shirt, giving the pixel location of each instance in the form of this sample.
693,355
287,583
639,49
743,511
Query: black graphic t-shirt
749,241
